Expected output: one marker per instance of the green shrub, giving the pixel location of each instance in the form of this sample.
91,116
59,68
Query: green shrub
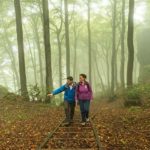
34,93
133,96
133,92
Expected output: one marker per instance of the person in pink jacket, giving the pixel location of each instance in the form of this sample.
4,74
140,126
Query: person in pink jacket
84,95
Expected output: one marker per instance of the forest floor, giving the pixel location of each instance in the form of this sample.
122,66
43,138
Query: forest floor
24,125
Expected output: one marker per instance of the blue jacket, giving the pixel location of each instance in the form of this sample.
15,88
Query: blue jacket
69,94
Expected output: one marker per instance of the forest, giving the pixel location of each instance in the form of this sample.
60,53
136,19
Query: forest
61,47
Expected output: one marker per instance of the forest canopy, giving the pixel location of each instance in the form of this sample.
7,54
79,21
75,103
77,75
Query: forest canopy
79,55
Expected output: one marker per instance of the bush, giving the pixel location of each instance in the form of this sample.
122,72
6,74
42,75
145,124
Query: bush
133,96
133,92
34,93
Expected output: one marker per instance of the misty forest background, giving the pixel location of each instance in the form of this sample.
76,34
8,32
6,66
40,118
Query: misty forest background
54,39
44,41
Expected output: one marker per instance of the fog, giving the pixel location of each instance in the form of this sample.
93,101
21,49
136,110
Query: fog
101,38
75,74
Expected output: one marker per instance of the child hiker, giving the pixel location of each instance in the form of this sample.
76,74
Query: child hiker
84,95
69,99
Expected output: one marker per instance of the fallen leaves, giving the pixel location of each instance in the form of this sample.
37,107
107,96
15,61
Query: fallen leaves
121,128
25,125
28,132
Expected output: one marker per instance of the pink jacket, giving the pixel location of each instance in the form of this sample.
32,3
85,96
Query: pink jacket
83,92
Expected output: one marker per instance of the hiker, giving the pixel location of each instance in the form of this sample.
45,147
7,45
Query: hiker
84,95
69,99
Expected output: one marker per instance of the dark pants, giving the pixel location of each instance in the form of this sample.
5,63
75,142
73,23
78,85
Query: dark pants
69,110
84,108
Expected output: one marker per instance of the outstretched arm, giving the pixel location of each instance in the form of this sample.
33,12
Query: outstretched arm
57,91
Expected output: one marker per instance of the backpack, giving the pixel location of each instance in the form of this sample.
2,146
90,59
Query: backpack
86,83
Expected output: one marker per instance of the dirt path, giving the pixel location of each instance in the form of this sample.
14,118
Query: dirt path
24,125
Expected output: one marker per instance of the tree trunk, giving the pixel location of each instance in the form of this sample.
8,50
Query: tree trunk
113,49
37,39
99,74
108,70
32,57
67,38
122,46
12,57
89,43
14,71
49,82
60,57
116,73
19,30
59,47
116,66
130,44
75,51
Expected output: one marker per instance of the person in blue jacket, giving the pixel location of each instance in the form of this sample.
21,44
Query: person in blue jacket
69,98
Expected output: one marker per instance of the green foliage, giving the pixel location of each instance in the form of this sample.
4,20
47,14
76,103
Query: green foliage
143,90
137,94
133,92
34,92
132,96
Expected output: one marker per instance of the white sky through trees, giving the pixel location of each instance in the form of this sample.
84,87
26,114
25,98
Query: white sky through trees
99,10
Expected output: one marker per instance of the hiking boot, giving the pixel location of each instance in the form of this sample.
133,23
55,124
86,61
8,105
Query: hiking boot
87,119
83,123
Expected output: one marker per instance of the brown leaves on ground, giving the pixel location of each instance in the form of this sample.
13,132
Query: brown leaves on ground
29,130
24,125
123,128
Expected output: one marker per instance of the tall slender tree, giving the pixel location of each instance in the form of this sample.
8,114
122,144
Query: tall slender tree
37,41
8,47
113,48
75,50
130,44
98,72
33,60
122,46
49,81
67,38
58,32
89,42
19,30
